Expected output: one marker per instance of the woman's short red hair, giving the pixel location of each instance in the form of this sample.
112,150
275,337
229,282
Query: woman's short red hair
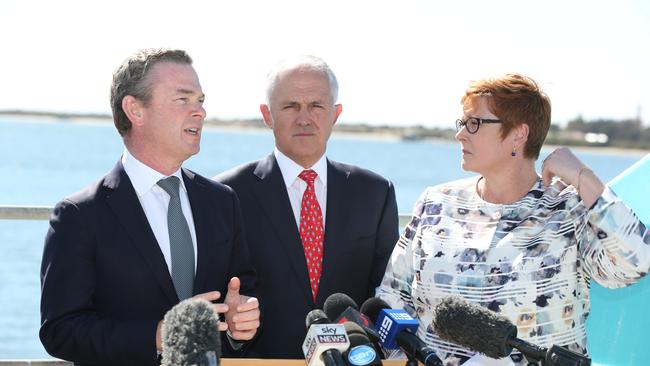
515,99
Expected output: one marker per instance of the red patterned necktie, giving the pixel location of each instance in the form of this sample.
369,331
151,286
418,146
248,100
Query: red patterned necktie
311,230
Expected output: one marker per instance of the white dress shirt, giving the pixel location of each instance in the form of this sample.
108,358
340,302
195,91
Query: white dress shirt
155,200
296,187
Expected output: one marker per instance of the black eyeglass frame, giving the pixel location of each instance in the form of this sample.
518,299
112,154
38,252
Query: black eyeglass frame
479,121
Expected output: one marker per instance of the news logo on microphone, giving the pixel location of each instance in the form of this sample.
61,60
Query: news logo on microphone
322,337
392,321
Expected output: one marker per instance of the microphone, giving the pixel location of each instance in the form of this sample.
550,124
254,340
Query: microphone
341,307
487,332
373,306
361,352
397,330
190,334
324,341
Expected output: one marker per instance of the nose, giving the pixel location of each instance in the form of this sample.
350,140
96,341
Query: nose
199,111
303,117
461,135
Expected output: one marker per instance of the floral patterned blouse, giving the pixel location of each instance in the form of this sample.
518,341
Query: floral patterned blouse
531,261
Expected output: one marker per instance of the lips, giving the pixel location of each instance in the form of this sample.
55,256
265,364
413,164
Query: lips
193,131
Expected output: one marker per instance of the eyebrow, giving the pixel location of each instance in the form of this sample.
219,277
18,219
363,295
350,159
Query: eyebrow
188,91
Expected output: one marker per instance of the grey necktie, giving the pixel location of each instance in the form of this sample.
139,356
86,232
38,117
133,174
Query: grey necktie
180,240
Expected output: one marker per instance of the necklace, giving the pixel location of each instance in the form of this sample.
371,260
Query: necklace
482,194
478,191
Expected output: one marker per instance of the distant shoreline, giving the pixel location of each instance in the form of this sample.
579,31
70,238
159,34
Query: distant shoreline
405,133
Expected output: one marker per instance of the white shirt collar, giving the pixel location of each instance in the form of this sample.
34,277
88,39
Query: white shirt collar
142,177
290,169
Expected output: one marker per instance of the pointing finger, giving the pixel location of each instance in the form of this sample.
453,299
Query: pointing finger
210,296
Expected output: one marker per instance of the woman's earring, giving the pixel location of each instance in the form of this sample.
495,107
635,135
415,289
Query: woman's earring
514,152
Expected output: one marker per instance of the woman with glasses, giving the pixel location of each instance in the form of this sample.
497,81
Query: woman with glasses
521,244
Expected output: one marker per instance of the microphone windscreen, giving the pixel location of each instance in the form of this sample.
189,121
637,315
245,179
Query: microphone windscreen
473,327
189,331
356,334
316,316
336,304
372,307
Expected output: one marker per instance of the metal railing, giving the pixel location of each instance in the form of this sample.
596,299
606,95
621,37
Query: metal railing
8,212
34,363
18,212
25,212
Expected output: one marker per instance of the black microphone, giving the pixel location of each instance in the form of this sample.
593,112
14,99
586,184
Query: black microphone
190,334
342,308
361,352
325,342
397,330
493,335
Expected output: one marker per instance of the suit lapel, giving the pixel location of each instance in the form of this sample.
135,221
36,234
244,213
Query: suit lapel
124,202
271,193
335,225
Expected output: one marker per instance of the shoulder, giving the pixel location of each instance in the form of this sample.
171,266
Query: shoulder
461,192
81,205
557,195
87,196
212,186
237,173
462,188
358,173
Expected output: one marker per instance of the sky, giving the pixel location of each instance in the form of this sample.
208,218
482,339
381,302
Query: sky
397,62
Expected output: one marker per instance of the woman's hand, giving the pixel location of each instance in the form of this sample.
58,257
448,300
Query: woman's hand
564,164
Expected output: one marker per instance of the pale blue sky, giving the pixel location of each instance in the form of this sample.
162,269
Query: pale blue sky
404,62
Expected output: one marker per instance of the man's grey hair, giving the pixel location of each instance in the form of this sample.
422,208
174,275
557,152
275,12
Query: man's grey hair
302,62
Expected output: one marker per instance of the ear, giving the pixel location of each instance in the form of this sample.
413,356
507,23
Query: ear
520,135
337,112
266,115
133,109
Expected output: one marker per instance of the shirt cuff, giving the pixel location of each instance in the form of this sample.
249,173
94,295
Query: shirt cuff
235,344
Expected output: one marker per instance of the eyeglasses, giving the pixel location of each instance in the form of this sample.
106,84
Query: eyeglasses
472,124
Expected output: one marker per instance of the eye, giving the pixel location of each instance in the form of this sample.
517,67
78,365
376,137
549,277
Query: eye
473,121
290,106
182,100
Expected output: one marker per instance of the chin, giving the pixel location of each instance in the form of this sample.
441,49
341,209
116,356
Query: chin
464,165
191,152
468,167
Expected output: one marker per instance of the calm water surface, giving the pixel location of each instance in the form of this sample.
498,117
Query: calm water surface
42,162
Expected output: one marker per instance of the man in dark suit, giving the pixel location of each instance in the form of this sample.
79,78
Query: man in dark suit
123,251
314,226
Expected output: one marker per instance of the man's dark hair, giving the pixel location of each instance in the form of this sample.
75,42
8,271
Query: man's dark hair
131,78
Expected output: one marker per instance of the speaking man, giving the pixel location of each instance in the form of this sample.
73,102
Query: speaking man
314,226
121,252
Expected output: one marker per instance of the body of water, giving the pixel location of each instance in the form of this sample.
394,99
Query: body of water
41,162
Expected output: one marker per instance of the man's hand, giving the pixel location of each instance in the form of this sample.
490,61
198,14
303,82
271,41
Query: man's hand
218,308
243,313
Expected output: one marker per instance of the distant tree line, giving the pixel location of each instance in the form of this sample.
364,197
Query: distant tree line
628,133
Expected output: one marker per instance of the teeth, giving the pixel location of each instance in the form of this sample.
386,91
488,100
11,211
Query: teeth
193,131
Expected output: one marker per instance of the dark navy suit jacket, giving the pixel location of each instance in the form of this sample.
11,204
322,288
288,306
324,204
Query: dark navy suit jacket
361,229
105,283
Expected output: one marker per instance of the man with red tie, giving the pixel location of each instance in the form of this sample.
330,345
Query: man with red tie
314,226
